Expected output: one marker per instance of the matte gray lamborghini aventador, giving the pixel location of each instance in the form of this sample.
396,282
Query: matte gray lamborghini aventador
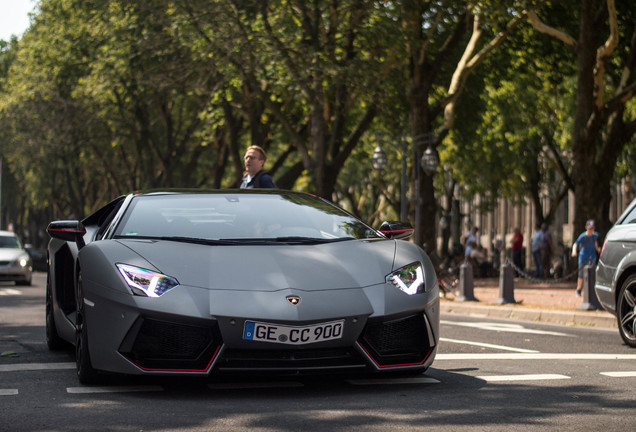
206,282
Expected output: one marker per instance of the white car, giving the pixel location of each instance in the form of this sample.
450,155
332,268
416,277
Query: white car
15,262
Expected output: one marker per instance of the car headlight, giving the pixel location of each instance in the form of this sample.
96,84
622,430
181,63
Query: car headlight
147,283
409,278
23,262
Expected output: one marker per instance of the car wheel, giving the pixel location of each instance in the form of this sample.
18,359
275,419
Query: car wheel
626,311
53,339
85,371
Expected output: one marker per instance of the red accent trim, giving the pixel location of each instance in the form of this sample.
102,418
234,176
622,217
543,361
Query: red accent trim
395,365
395,231
177,370
68,231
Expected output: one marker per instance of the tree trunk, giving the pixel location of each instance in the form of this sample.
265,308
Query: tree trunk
588,193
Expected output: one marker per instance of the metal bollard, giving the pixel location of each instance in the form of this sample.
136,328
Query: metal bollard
506,285
466,284
590,301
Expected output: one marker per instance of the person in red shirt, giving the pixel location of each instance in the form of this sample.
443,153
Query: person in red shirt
516,242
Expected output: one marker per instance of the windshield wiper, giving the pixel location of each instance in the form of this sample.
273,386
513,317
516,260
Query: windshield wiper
292,240
311,240
194,240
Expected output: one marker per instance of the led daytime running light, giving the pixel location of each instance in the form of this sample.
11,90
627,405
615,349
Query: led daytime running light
146,282
409,279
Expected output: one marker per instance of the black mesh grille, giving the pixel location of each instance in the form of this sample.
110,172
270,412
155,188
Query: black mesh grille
166,345
403,340
159,339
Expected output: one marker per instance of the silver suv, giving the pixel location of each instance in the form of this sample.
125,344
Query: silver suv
616,274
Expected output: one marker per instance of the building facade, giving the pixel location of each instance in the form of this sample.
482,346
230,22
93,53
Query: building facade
496,226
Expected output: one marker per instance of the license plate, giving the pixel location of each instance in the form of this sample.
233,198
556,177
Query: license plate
292,335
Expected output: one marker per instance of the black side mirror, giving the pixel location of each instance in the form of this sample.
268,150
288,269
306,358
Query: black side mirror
396,230
67,230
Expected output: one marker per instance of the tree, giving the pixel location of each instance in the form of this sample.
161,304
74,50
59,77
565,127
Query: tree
445,42
316,69
605,52
108,98
521,148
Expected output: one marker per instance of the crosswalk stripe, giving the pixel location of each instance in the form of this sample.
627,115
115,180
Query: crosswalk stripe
409,380
528,377
10,291
625,374
21,367
534,356
486,345
113,389
8,392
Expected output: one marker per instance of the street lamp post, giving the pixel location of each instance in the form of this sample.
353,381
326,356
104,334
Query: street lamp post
379,162
429,163
430,160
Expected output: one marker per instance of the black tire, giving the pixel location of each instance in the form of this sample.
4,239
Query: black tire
85,371
27,282
53,339
626,311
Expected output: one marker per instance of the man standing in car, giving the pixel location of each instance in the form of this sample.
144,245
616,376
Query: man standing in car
255,176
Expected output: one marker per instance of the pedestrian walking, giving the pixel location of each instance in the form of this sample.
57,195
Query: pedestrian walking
587,248
470,237
546,250
516,243
537,238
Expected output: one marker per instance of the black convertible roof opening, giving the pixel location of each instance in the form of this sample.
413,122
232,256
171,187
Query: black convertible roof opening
239,215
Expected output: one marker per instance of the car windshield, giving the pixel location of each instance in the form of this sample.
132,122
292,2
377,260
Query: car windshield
240,217
7,242
630,216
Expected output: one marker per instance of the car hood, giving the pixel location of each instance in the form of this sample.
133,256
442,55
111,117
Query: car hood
625,233
347,264
11,254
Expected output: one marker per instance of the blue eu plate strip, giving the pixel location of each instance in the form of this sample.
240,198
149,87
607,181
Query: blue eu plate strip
248,330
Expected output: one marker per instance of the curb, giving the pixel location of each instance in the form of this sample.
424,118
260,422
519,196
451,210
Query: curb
573,318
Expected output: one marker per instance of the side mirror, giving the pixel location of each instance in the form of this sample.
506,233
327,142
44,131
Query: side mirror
67,230
396,230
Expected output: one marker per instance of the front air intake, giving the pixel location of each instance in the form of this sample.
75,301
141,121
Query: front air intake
163,345
397,342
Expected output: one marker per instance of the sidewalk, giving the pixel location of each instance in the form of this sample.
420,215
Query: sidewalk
542,302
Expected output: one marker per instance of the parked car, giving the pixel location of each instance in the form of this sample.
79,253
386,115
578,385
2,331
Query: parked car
262,281
38,257
616,274
15,262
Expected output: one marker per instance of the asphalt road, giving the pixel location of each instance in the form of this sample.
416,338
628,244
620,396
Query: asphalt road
489,374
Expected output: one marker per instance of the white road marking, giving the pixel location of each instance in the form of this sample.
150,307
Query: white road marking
627,374
529,377
8,392
383,381
535,356
255,385
21,367
9,291
113,389
485,345
501,327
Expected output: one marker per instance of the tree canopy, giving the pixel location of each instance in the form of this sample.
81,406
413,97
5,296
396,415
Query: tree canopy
518,99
